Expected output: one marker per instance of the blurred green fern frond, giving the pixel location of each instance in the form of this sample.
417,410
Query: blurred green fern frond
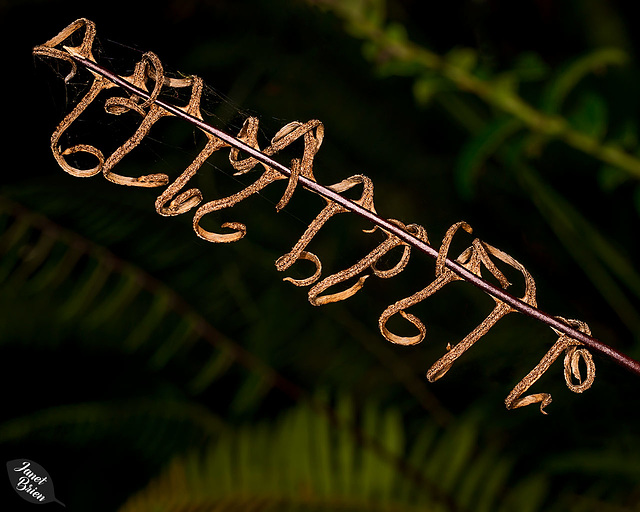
299,462
155,429
84,288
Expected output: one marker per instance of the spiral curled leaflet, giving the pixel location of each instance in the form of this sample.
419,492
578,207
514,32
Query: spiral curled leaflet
571,370
150,81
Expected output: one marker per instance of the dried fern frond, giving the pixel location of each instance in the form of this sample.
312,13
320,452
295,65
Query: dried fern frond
143,89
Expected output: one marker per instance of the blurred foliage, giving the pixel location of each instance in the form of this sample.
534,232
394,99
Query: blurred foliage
143,367
304,462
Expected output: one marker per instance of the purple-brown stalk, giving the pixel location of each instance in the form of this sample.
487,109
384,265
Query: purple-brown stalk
498,293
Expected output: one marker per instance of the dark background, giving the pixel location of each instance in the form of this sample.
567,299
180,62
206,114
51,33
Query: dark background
109,312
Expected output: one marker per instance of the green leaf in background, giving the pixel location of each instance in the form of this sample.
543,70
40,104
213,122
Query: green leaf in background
374,11
155,427
504,85
478,150
277,465
462,57
568,78
530,67
396,33
589,115
394,67
426,86
610,178
594,253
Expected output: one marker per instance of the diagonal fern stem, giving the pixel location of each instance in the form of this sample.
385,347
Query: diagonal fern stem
496,292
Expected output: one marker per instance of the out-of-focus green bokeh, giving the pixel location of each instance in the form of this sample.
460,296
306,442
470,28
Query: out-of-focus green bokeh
147,369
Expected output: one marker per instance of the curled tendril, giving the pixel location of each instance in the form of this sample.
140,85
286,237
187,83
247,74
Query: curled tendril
479,256
574,351
312,133
473,259
443,277
369,261
48,49
149,76
298,251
